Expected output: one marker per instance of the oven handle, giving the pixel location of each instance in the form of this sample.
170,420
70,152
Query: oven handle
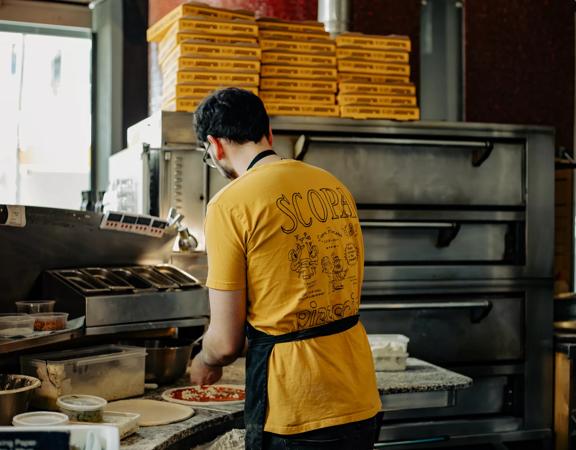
479,309
447,232
481,150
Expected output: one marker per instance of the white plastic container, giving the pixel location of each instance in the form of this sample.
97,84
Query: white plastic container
112,372
127,423
390,351
16,324
39,419
50,321
82,408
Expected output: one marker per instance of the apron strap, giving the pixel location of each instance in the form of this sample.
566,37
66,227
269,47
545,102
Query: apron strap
256,337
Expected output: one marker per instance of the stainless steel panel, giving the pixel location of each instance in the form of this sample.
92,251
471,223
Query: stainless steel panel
486,396
464,427
462,324
387,171
143,326
65,238
181,182
144,307
391,242
420,400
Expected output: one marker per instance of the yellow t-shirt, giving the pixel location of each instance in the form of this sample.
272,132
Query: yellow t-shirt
289,233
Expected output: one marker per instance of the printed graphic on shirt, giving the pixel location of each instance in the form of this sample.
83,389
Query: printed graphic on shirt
304,257
326,261
315,315
332,266
304,209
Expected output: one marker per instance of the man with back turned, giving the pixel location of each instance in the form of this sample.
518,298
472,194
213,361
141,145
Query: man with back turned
285,269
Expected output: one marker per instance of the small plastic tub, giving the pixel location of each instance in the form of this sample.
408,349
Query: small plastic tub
50,321
35,306
39,419
82,408
16,324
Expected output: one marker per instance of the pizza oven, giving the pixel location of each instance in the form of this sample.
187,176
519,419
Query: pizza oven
458,230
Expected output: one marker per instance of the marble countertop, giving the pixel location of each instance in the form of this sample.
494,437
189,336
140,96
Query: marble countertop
420,376
208,422
204,425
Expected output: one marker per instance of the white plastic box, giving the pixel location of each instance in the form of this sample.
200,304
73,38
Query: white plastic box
112,372
389,351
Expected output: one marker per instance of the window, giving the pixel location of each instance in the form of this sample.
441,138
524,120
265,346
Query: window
45,118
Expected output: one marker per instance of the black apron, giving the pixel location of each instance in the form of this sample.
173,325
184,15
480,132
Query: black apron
260,347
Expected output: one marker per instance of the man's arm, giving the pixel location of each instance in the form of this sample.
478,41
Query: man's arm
224,340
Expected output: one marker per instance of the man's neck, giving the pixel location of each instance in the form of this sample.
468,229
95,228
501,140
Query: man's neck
247,152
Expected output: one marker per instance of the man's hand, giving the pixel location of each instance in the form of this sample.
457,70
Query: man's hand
200,373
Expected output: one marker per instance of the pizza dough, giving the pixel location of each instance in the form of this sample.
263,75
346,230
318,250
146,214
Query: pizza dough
206,390
152,412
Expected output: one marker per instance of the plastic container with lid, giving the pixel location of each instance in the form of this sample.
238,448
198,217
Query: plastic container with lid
127,423
112,372
35,306
82,408
389,351
39,419
50,321
16,324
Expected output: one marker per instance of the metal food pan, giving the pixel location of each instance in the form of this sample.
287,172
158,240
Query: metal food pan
179,276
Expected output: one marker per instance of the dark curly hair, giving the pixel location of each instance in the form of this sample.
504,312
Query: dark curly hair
234,114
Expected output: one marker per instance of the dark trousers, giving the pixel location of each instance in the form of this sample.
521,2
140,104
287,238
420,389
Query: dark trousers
350,436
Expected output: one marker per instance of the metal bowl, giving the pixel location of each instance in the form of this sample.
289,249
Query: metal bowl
166,359
15,393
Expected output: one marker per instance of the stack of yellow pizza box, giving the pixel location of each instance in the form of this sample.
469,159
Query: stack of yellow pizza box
203,48
298,72
374,77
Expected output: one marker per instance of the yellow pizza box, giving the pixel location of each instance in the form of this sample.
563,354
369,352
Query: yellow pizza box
298,59
316,73
211,64
374,41
182,104
202,25
214,50
318,46
286,35
289,109
304,26
198,49
166,46
379,112
211,78
356,77
393,56
159,29
377,100
347,87
356,65
297,97
196,90
175,36
291,84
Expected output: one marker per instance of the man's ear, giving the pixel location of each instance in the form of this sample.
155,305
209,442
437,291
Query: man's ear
218,148
270,136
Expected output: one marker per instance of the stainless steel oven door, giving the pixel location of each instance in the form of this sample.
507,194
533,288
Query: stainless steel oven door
443,242
451,328
419,170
